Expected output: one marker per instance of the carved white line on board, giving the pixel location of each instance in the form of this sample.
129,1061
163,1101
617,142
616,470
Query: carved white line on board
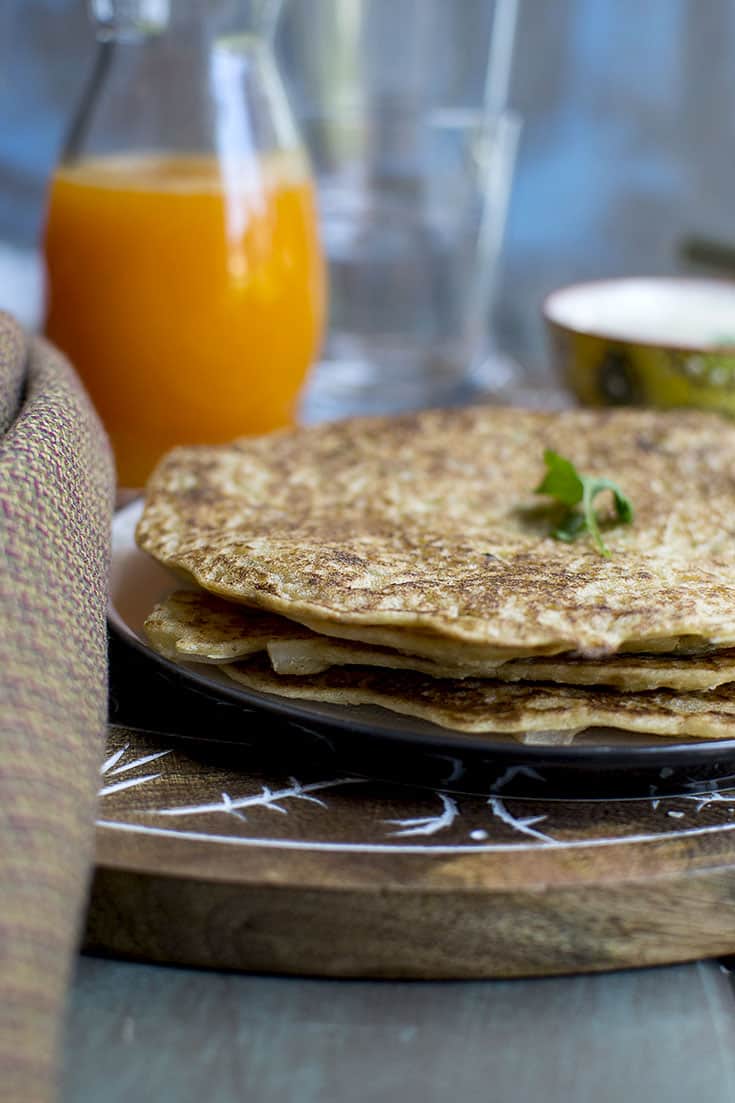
428,825
109,768
114,758
129,783
704,799
229,807
525,826
266,798
410,848
417,826
124,769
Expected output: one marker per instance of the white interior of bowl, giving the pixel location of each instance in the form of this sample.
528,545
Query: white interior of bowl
685,313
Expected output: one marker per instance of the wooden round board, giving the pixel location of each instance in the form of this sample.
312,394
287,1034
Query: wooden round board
206,856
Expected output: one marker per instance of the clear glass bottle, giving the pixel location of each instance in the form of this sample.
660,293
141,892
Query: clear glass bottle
185,277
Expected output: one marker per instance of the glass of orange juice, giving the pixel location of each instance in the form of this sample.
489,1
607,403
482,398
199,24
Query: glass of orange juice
185,276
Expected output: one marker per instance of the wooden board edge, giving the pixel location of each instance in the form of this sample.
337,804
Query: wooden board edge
426,934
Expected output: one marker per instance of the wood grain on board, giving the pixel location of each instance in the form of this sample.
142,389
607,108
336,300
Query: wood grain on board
205,859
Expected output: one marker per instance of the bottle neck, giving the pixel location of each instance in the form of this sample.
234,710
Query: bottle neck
199,78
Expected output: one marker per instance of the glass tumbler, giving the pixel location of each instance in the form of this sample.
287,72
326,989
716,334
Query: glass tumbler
402,107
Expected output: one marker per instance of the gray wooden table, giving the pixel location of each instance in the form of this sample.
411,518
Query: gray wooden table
158,1034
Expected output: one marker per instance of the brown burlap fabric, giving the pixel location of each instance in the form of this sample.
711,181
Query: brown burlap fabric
56,494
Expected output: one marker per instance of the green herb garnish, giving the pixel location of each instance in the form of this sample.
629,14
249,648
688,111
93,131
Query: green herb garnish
563,482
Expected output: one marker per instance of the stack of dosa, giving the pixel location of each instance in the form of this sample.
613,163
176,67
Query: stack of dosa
406,562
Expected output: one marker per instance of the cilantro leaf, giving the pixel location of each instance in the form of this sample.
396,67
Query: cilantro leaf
572,525
563,482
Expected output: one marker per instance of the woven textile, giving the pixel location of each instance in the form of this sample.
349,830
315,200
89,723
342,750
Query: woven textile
56,494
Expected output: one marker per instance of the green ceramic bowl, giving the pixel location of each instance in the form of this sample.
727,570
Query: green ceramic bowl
651,341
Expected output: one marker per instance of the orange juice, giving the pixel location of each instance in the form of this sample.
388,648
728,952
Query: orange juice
189,295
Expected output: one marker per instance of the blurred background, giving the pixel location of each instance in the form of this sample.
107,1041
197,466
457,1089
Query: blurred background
626,146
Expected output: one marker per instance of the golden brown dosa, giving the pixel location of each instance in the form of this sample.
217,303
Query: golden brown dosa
427,524
482,705
196,626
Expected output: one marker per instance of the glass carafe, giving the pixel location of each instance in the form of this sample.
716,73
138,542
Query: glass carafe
185,279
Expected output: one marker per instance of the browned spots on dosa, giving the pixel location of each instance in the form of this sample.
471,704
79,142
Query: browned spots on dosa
417,522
